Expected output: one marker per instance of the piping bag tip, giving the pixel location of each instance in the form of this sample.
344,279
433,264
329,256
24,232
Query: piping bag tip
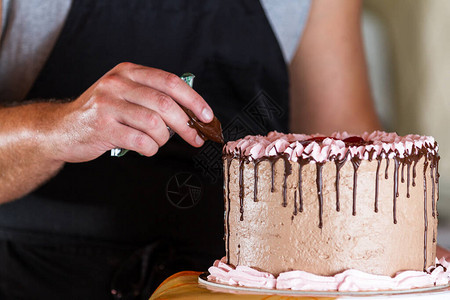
207,131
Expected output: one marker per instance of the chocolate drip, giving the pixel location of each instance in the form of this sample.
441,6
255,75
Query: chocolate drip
414,172
371,153
241,188
224,203
432,268
433,203
272,167
339,164
436,179
300,191
319,190
425,215
377,184
238,254
287,172
408,178
437,184
356,161
295,205
437,175
229,159
386,174
255,186
396,168
396,162
403,171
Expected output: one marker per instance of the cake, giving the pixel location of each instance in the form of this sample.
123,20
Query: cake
331,207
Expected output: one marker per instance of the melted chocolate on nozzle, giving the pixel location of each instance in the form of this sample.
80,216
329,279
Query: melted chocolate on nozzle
207,131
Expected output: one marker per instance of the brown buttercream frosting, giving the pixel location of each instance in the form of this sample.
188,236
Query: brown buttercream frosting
327,204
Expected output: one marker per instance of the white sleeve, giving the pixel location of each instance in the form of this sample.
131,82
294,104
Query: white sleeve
30,30
287,19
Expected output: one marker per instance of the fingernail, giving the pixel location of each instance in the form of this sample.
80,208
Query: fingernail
207,114
198,140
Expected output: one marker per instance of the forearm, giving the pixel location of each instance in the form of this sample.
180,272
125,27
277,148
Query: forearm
130,107
330,89
25,162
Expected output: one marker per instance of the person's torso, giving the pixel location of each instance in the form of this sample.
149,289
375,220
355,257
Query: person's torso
241,73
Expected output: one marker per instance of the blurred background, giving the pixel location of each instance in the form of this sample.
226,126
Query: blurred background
408,51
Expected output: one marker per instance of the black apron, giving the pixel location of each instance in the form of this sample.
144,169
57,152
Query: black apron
129,202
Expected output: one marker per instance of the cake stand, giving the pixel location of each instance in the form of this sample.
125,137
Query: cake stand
435,292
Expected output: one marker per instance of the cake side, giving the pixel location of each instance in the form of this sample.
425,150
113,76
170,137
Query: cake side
340,212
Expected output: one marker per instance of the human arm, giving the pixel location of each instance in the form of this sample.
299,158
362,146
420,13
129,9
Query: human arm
129,107
329,82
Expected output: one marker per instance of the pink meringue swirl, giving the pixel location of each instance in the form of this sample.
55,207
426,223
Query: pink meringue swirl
241,275
347,281
376,144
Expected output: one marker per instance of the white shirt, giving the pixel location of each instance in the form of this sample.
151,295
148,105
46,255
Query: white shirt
31,27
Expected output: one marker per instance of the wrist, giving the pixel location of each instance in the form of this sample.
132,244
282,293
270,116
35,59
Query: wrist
42,132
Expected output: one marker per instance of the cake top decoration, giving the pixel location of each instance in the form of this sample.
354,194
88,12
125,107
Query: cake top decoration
337,146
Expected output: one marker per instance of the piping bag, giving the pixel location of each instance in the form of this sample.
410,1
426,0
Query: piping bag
207,131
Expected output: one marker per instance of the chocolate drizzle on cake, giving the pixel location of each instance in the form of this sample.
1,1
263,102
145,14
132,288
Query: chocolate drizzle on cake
272,160
425,232
272,168
414,172
377,187
437,177
319,191
241,188
403,172
301,163
287,172
408,178
395,196
295,205
339,164
396,169
356,161
432,190
228,161
353,155
386,174
255,186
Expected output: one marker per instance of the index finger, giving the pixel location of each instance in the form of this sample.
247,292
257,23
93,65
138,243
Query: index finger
173,86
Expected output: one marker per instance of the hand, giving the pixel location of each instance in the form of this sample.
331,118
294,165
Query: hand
129,107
